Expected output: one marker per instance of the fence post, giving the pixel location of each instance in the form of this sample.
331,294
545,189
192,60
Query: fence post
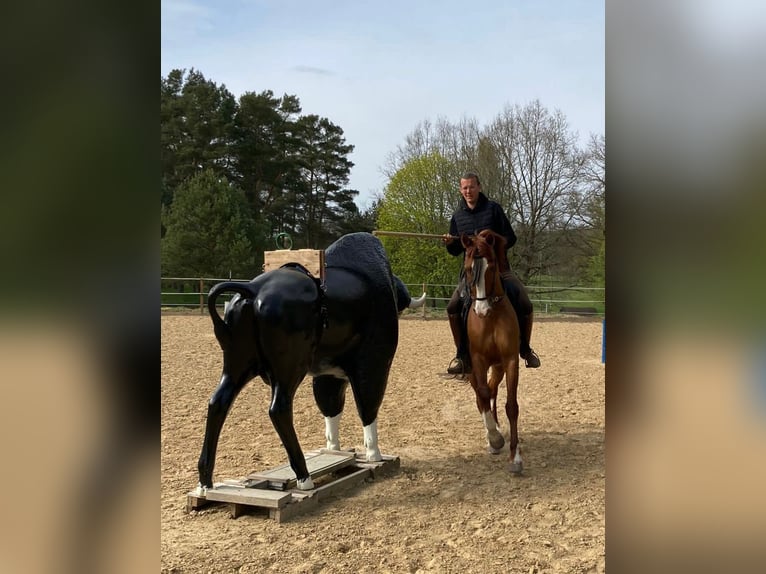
425,303
201,299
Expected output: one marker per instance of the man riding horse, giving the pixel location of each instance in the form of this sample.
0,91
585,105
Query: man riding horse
476,213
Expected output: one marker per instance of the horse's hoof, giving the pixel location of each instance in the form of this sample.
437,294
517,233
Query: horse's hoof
374,455
491,450
305,484
496,440
516,467
200,491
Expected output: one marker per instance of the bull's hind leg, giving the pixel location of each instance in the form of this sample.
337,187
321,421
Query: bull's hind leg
281,414
512,411
217,409
330,397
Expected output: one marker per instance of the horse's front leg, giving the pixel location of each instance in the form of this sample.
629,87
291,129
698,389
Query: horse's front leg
483,401
281,414
495,377
512,411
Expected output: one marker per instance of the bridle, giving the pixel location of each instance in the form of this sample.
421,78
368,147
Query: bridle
491,299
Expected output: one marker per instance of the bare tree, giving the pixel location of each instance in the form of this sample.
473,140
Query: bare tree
531,164
591,211
418,143
584,233
539,167
457,142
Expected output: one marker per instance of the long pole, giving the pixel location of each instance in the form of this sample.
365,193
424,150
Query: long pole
408,234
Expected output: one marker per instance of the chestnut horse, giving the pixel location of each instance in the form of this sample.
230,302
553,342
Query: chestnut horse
493,337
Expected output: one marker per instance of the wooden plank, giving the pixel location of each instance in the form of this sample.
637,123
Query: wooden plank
352,469
237,510
194,502
250,496
387,466
294,509
243,483
311,259
349,452
323,463
318,464
302,504
342,483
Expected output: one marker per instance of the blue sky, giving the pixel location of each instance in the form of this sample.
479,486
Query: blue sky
377,69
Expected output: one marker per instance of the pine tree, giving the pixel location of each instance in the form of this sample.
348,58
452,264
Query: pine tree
209,231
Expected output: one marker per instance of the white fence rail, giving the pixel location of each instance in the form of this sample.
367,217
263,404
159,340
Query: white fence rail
191,293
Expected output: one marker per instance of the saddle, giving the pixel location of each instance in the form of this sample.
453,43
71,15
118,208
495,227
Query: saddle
324,321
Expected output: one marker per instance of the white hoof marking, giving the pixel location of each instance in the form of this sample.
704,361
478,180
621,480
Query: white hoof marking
371,442
517,466
332,432
305,484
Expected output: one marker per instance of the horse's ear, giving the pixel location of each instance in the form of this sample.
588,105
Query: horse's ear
465,240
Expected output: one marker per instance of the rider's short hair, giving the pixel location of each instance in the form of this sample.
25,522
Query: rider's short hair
471,175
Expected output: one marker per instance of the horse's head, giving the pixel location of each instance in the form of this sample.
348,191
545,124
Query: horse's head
484,260
495,248
485,245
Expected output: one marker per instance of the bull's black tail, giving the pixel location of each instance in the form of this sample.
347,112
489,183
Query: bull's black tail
221,330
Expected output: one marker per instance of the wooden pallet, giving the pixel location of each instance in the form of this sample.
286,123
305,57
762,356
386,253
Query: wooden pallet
311,259
274,491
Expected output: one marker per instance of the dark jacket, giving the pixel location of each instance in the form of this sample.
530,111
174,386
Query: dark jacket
486,215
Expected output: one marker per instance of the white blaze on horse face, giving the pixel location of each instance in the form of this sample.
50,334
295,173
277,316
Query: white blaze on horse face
371,442
332,432
481,305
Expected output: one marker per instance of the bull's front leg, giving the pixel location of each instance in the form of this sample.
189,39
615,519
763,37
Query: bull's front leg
281,414
217,409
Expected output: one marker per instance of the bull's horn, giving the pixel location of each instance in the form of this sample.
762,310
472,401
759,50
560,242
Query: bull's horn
419,302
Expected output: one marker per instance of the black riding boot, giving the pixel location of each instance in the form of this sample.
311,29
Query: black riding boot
524,313
531,360
462,361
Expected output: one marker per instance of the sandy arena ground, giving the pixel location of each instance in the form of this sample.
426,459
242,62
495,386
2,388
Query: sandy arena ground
452,507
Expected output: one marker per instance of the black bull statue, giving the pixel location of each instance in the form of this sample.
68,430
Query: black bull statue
284,324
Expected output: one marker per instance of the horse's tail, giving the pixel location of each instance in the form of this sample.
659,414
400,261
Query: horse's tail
219,326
